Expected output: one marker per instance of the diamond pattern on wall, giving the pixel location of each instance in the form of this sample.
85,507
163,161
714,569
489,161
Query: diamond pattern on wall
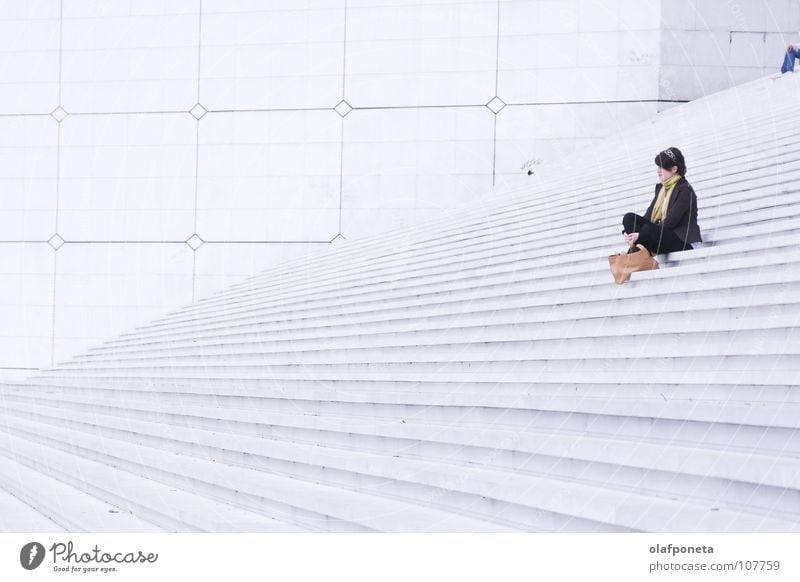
198,111
195,242
59,114
496,105
343,108
56,241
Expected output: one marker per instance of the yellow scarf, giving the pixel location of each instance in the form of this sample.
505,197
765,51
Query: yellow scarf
659,211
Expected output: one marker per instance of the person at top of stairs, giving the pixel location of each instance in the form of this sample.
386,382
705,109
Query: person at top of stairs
792,53
670,222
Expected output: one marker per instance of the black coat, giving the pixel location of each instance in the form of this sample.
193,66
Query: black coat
681,213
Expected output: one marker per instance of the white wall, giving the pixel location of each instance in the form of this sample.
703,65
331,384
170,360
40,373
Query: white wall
572,72
153,151
710,45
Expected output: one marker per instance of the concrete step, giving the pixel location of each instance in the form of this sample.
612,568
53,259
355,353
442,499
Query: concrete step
466,400
98,497
716,320
474,293
772,337
602,442
61,507
504,253
741,373
505,309
356,470
17,516
517,409
508,270
315,505
511,321
512,251
538,493
353,389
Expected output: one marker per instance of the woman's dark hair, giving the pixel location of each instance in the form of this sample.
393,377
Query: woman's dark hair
671,157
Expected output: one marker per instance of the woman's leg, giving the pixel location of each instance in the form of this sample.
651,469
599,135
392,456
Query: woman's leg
659,240
633,222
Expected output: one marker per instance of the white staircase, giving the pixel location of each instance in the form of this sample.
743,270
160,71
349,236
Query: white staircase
482,373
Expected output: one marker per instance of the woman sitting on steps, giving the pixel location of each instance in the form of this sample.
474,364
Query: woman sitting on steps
670,223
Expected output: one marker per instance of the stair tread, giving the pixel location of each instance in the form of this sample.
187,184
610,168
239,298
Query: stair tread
578,273
375,513
779,414
596,282
623,508
650,452
17,516
91,513
492,328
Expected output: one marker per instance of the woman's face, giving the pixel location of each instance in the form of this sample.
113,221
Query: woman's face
665,175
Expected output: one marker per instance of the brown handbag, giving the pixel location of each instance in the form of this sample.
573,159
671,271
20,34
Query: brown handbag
622,264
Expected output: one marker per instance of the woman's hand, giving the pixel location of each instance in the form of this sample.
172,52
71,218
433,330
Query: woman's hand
631,238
